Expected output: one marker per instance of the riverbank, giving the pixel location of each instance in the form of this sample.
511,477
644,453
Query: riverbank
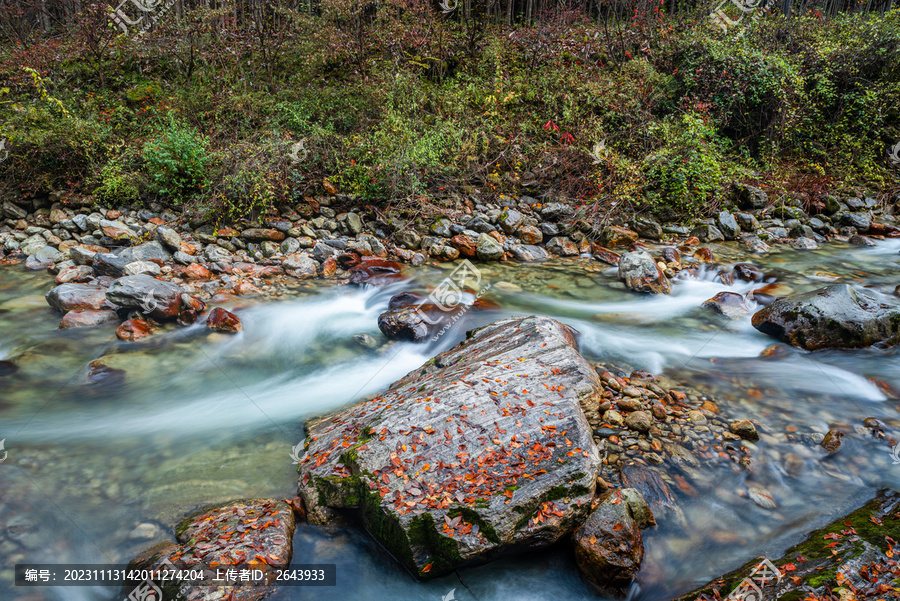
88,250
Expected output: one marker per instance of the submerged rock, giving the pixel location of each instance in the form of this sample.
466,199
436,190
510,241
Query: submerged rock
836,316
641,273
133,330
466,458
729,304
372,270
86,318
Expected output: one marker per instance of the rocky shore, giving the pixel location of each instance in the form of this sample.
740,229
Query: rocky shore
91,250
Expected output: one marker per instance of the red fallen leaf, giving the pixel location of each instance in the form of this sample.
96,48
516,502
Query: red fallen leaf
788,567
427,568
617,527
848,523
801,559
875,520
832,535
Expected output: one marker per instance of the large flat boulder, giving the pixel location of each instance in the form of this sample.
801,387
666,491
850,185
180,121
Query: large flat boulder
485,450
838,316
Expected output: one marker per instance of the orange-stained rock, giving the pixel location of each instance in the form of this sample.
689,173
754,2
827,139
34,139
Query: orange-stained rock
133,329
329,267
221,320
465,245
195,271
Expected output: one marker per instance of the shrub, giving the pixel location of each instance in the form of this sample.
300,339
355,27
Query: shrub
117,185
177,161
685,174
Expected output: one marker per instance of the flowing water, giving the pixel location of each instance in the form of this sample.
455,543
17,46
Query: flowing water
188,418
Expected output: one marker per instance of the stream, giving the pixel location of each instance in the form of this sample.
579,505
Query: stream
97,472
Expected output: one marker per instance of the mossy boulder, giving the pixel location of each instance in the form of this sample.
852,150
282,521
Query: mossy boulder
855,552
483,451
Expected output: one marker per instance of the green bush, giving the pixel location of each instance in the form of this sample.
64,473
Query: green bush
177,161
117,185
247,181
686,173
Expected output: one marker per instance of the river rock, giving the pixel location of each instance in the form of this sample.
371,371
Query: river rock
708,233
729,304
465,459
86,318
14,211
744,428
609,548
728,225
861,221
615,235
441,227
68,297
249,533
647,228
169,237
149,251
300,266
414,323
109,264
837,316
133,330
530,234
78,273
159,299
510,220
137,267
833,441
747,272
641,273
528,252
116,230
488,249
196,271
804,243
408,238
464,244
859,240
557,211
373,270
640,421
750,197
562,246
258,234
222,320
